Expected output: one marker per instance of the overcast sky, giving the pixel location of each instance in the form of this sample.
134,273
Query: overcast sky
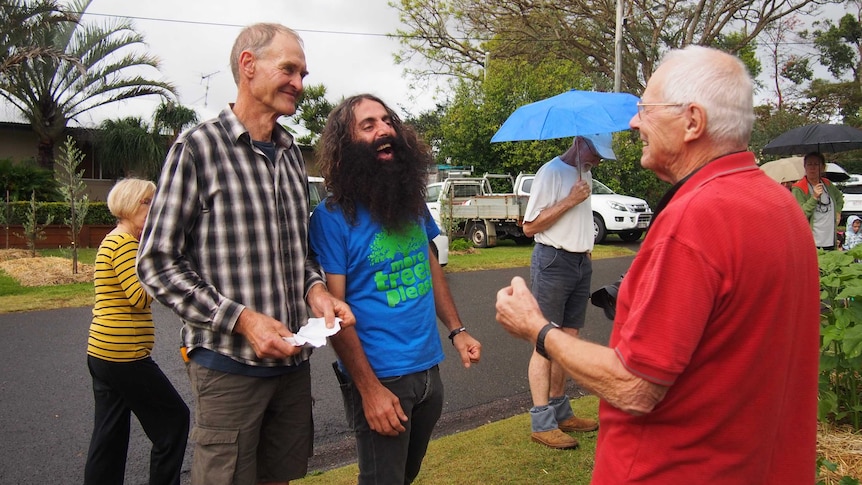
345,46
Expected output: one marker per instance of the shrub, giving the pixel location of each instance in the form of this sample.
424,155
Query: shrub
97,213
841,337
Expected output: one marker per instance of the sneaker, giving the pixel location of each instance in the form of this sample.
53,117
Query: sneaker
554,439
578,424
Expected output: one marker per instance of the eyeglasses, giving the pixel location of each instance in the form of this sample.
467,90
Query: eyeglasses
642,106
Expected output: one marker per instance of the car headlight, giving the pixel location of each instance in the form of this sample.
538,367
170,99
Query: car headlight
618,206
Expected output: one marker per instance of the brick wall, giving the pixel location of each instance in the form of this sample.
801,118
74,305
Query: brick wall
55,237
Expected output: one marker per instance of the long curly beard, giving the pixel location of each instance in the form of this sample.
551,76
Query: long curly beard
393,190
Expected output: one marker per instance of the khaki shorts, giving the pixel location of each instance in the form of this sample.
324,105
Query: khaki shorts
250,429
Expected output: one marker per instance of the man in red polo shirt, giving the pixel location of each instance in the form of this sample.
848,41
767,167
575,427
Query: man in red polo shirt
711,371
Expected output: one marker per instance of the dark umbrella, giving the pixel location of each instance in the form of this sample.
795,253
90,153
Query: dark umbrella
823,138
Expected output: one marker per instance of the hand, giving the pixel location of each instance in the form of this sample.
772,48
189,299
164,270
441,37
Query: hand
518,312
323,304
580,192
265,334
468,348
383,411
818,190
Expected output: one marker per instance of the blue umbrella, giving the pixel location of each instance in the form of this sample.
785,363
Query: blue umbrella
568,114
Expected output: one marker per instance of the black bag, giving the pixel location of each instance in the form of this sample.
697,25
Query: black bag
606,298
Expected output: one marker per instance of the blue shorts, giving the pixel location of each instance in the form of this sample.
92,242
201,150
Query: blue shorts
560,281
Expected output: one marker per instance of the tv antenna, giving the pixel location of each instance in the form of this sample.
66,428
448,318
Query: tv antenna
206,78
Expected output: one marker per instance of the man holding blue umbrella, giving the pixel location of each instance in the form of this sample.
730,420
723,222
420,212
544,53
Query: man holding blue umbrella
560,218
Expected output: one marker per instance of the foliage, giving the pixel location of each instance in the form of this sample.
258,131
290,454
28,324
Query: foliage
19,180
21,23
311,112
172,118
626,175
841,337
453,36
33,231
74,191
97,212
128,148
840,47
48,93
480,107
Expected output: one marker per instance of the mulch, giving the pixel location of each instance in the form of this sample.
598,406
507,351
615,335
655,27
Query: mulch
42,271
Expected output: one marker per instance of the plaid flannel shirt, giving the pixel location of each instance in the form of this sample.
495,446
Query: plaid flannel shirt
228,229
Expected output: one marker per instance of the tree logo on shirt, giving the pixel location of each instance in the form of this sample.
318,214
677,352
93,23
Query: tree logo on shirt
408,277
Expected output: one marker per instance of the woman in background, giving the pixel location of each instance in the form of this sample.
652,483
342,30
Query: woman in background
125,378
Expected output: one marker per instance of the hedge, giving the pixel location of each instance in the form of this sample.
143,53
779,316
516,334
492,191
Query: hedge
98,212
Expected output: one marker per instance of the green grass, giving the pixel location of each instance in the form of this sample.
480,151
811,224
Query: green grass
508,255
17,298
499,452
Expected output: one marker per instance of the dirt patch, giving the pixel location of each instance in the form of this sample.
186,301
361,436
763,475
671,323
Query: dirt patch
39,271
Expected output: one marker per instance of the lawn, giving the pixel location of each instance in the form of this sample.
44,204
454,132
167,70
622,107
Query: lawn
17,298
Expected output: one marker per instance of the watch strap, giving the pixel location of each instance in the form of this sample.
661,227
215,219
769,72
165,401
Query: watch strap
540,339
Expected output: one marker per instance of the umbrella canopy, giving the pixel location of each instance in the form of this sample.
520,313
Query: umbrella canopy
823,138
836,173
568,114
784,169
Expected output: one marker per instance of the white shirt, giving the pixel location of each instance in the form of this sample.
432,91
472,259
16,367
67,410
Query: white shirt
573,231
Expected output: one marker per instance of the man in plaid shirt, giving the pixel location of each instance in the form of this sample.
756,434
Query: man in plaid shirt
225,247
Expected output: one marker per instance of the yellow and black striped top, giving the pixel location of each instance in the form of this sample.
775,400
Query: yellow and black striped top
122,328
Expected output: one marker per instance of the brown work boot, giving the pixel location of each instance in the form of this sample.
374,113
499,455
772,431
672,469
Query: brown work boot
578,424
554,439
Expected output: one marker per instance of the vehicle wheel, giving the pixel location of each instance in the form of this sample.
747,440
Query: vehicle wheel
479,235
523,240
599,231
631,236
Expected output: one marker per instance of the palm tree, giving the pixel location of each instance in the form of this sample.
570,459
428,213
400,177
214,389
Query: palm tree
20,21
50,93
174,118
127,147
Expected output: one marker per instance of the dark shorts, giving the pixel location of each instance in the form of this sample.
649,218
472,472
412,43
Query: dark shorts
560,281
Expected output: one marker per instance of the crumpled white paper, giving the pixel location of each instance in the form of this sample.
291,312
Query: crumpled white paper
314,333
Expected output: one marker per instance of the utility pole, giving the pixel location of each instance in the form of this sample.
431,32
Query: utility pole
618,48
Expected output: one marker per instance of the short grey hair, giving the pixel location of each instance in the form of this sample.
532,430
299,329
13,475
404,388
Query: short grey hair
720,83
255,38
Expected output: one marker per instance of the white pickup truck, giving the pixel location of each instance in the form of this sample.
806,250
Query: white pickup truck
477,212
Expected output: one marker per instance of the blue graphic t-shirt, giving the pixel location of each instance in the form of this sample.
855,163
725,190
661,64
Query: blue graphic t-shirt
388,286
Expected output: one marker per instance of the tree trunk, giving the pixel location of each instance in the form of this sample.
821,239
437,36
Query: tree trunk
46,154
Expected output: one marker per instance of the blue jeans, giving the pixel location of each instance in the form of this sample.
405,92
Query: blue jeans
560,281
388,460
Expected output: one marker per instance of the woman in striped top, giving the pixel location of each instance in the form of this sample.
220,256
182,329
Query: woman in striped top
125,377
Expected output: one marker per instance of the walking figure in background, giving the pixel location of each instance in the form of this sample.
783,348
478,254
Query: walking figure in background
125,378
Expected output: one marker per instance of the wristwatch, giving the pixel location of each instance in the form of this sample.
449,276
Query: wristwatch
540,340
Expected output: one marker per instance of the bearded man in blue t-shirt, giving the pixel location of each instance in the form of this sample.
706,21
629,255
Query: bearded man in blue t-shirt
372,237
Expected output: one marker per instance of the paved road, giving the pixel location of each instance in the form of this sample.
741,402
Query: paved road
46,403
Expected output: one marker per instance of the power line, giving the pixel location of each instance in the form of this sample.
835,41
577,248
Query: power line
220,24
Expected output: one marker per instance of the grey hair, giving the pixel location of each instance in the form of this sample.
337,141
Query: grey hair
720,83
255,38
